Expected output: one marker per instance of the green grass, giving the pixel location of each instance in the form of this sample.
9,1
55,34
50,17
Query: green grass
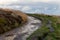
44,29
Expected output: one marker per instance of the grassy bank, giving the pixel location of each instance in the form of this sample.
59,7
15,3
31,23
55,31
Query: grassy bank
44,33
10,19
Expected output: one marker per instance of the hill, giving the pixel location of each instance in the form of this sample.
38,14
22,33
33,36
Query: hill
10,19
50,29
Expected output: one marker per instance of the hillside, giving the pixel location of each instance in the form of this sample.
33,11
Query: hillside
50,29
37,27
10,19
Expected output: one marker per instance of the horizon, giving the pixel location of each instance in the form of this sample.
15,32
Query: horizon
51,7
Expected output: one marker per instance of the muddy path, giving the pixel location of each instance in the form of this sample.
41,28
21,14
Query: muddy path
25,31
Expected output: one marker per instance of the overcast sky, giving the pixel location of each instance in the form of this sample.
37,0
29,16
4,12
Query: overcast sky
45,6
27,1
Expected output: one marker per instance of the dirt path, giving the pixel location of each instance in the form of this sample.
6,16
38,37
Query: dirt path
23,32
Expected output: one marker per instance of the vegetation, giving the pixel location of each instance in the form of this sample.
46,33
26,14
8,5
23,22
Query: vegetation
44,33
10,19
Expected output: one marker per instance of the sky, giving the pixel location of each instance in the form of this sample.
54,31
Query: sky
26,1
33,6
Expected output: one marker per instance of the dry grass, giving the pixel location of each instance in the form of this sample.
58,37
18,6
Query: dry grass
10,19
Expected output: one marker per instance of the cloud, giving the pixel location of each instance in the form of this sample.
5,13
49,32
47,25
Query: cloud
29,1
34,1
7,1
25,8
41,0
26,1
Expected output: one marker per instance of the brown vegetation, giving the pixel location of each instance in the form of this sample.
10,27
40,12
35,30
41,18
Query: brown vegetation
10,19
